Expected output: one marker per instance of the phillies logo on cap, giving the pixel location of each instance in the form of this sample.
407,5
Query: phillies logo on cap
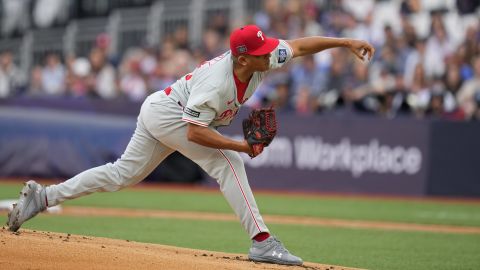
260,35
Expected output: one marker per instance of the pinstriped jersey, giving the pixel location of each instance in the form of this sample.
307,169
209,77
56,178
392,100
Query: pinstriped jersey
209,94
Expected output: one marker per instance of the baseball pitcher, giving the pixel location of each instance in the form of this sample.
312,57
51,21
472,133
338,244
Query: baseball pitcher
184,118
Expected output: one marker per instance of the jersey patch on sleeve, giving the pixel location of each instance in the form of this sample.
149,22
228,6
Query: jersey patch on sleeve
282,55
191,112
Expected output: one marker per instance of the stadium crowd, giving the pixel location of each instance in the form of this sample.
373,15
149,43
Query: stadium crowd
432,74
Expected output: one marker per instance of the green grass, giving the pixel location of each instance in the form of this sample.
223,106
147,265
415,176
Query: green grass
363,248
340,208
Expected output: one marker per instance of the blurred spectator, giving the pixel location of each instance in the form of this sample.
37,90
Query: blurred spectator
415,57
463,58
305,74
387,62
53,76
12,79
442,102
36,85
167,50
408,7
160,79
280,98
13,19
438,48
78,76
467,51
419,96
327,87
181,62
148,61
420,81
389,104
422,64
409,34
293,14
396,103
265,17
180,38
357,86
271,92
218,23
359,29
472,38
304,103
312,26
336,18
401,50
103,43
164,73
382,90
390,38
359,13
153,71
436,106
467,93
103,78
452,79
46,12
211,44
132,83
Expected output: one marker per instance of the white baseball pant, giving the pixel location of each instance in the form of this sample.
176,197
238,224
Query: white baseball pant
159,132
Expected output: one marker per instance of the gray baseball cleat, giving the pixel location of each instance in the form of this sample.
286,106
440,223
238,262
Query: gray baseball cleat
272,250
32,201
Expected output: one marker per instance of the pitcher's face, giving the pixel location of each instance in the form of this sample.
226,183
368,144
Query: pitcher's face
258,62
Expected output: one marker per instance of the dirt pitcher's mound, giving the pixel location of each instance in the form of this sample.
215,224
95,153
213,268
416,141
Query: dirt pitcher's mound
28,249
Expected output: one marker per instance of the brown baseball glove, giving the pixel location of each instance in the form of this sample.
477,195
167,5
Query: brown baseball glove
259,129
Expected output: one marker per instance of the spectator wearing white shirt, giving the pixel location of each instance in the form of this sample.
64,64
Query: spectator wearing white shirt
132,83
11,77
439,46
53,76
415,57
103,75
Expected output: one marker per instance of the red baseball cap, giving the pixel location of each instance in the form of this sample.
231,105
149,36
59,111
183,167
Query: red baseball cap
251,40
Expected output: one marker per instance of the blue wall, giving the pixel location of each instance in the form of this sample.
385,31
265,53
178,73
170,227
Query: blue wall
351,154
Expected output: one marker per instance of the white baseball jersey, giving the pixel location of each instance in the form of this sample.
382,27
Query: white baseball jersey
209,98
209,94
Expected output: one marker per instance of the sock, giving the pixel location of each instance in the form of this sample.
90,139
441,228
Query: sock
261,236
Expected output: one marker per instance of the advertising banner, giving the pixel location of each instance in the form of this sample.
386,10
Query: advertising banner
338,154
342,154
